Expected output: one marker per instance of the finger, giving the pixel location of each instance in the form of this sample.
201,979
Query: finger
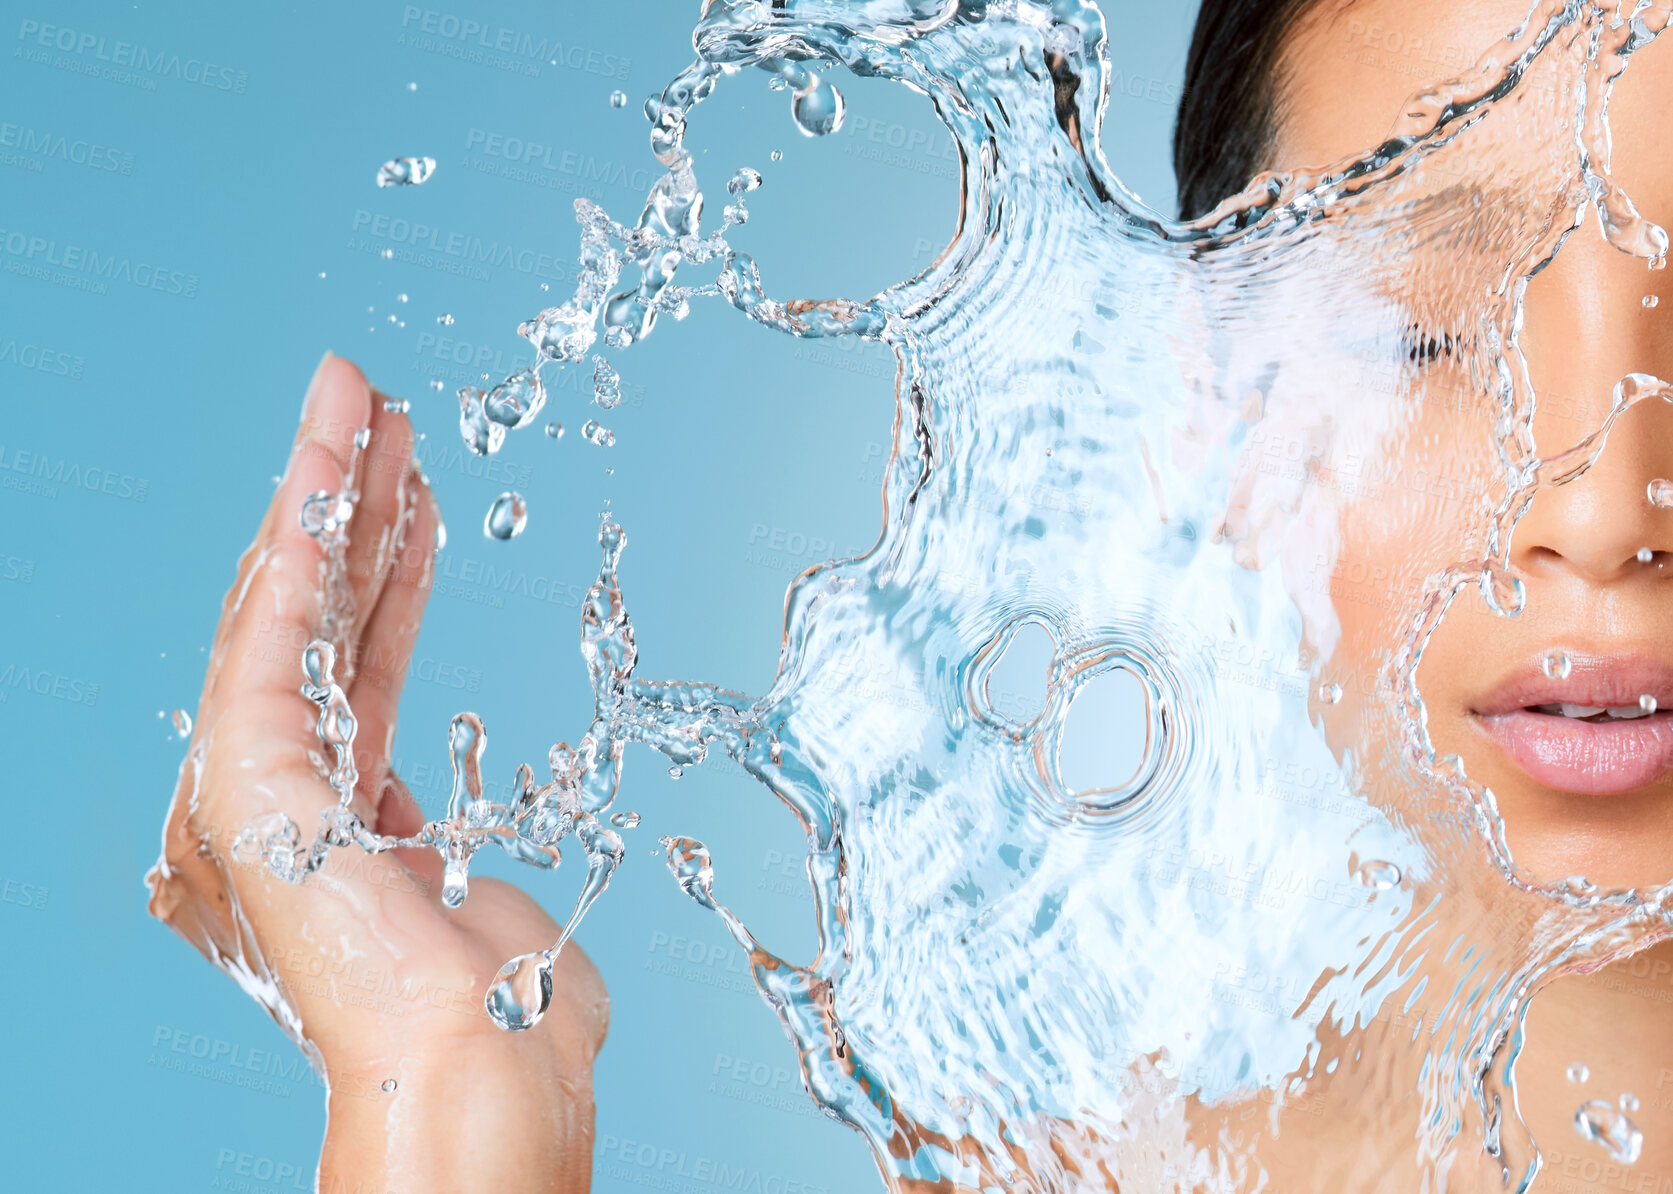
236,595
387,645
281,608
384,474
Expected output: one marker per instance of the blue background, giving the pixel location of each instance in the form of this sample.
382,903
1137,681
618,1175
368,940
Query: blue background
142,430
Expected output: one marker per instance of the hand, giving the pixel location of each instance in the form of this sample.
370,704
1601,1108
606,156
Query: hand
361,964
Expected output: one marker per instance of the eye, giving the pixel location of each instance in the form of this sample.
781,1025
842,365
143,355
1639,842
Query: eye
1425,347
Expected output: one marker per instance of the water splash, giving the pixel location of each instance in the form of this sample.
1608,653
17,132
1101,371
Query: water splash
1115,428
530,827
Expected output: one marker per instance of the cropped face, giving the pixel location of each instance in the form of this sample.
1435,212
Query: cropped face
1564,711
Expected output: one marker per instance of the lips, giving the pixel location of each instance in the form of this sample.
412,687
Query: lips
1591,731
1561,733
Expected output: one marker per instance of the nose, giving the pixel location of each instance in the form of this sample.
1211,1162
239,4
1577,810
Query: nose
1587,326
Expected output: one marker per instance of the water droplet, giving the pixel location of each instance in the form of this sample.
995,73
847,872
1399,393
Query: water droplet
595,433
441,535
1505,594
688,859
516,401
406,172
675,771
387,255
397,406
362,438
1330,694
1628,1101
325,515
1579,885
1379,875
389,1084
455,883
618,99
319,664
1604,1124
322,273
521,992
818,109
436,383
1578,1071
1645,555
1650,301
777,155
625,820
744,181
445,319
607,385
270,839
506,517
1647,703
554,430
482,435
182,723
1557,665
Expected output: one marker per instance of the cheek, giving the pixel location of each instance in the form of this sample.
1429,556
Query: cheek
1397,544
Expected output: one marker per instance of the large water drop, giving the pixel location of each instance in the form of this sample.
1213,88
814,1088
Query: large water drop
818,109
506,517
521,992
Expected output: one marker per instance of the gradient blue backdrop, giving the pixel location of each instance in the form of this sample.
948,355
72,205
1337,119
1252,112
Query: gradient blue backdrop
232,151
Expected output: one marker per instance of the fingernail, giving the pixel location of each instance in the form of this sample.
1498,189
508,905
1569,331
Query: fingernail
314,382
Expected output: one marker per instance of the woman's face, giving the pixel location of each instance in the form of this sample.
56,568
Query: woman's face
1578,796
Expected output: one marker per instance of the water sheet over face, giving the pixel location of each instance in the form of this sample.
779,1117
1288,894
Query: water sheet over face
1127,442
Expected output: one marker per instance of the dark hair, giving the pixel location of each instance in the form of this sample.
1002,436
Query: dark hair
1223,132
